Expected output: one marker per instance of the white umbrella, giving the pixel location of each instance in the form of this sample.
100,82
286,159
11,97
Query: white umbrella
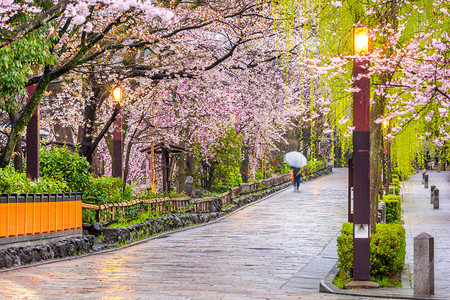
295,159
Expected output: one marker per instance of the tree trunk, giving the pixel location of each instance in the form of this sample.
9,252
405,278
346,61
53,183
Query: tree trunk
181,175
24,118
189,164
89,118
376,155
245,164
18,153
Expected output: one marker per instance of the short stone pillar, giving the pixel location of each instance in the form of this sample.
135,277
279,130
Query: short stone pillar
439,167
423,265
432,187
189,187
423,176
425,180
382,212
436,198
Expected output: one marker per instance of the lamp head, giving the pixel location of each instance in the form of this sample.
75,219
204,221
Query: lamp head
361,43
385,124
117,94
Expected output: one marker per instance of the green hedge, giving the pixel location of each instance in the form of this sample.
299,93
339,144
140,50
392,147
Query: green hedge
387,250
107,189
13,182
393,208
63,165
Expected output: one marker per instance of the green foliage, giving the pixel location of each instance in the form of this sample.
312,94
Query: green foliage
107,189
15,65
139,220
64,165
13,182
224,167
341,279
394,189
89,216
149,195
387,250
393,208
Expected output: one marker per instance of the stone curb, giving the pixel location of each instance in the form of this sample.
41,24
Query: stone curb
326,286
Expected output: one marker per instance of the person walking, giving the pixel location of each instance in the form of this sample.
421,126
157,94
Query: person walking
297,175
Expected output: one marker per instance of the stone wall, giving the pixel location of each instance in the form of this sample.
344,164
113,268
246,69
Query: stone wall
17,256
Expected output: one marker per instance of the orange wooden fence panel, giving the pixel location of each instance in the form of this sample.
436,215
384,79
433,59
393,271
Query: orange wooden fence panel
39,213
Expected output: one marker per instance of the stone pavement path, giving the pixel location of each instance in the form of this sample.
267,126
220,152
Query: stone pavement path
419,216
278,248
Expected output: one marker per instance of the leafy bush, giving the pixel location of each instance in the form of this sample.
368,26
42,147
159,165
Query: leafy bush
13,182
64,165
393,208
107,189
387,250
394,189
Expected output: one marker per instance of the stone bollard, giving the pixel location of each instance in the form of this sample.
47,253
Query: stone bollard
426,181
432,193
423,176
439,167
423,265
382,212
436,199
189,187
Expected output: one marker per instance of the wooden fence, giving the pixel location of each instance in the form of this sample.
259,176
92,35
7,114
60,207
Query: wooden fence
111,211
24,214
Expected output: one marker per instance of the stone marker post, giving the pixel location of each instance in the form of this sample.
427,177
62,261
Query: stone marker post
426,181
423,176
432,193
423,265
189,187
436,199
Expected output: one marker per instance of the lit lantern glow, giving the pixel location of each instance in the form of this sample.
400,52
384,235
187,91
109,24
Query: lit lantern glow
117,94
361,40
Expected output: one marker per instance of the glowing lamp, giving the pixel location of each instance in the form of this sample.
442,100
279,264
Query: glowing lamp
385,124
117,94
361,40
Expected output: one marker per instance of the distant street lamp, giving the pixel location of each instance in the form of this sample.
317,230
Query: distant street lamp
361,155
117,95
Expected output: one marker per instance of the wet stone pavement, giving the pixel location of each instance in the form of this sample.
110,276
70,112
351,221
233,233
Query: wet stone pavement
277,248
420,216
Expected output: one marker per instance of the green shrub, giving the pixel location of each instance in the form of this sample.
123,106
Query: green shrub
394,189
107,189
13,182
387,250
393,208
64,165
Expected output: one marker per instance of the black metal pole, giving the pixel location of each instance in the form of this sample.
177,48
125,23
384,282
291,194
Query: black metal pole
117,148
361,168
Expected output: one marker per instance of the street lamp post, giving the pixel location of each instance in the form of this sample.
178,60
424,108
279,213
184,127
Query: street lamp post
117,95
361,156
